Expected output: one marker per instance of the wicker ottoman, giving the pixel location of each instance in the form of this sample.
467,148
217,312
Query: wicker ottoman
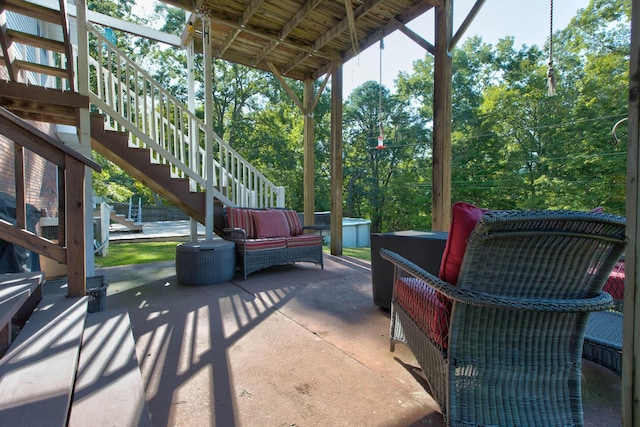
205,262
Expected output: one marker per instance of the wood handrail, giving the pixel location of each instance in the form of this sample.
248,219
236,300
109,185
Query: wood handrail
30,137
70,248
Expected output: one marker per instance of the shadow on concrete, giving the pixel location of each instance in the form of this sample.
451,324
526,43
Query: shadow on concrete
185,335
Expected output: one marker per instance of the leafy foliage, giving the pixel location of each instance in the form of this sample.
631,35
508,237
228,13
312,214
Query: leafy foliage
513,146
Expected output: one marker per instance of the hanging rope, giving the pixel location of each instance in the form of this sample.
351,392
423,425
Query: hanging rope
551,75
381,136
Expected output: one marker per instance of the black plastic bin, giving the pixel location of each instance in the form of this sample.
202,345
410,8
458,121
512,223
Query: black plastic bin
97,293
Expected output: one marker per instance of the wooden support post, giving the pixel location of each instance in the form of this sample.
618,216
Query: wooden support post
441,179
76,256
309,154
631,333
336,159
83,124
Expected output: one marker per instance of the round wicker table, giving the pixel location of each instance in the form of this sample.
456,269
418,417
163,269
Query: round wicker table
205,262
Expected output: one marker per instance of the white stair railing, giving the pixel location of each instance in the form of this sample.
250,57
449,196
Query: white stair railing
134,102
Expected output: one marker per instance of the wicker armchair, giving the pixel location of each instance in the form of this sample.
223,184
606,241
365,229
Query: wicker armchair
504,346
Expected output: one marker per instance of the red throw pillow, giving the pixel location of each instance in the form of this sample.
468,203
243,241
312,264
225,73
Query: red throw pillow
464,217
270,223
241,218
295,228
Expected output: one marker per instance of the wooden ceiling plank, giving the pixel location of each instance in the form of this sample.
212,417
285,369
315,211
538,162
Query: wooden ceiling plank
287,28
295,62
362,10
265,51
257,33
308,7
374,37
246,16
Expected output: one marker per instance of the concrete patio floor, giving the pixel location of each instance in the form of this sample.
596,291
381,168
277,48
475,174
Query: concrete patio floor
290,346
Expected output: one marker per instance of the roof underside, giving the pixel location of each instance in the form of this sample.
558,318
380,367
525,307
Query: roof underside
300,38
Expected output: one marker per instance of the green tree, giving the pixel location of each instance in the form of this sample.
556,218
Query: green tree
376,180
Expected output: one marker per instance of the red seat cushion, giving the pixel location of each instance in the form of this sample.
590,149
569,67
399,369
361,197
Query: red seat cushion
615,283
262,244
304,240
429,309
464,217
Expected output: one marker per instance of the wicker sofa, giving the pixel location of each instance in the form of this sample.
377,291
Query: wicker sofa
500,340
268,237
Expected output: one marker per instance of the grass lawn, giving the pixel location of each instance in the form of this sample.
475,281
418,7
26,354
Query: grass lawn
140,253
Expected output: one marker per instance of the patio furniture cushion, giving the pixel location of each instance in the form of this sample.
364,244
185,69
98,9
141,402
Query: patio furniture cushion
528,281
262,244
304,240
241,218
270,223
295,228
425,306
464,217
615,283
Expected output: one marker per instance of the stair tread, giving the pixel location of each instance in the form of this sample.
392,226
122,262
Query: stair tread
38,371
108,374
15,289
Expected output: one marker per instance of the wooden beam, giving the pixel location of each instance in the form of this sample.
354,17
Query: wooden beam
309,155
25,238
299,59
76,255
441,179
465,24
287,28
261,34
287,88
631,332
375,36
416,37
308,7
246,15
322,87
336,159
129,27
343,25
352,25
30,137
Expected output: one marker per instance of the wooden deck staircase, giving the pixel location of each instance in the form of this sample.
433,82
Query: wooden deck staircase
123,220
114,146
